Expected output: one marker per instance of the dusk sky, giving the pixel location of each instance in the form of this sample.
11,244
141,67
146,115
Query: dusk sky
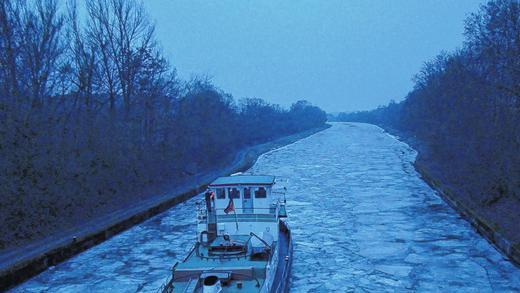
339,55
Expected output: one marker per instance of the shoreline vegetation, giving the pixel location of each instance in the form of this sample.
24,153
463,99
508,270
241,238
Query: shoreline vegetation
94,118
463,118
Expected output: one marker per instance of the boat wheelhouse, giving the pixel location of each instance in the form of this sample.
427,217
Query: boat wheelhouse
243,243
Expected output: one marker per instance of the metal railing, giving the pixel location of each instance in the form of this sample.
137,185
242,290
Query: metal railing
243,213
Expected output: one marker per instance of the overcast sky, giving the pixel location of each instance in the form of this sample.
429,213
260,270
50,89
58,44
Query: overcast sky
340,55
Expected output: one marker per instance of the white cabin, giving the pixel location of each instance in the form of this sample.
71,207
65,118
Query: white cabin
255,208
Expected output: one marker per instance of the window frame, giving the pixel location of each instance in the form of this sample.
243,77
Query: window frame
247,195
257,192
220,193
235,195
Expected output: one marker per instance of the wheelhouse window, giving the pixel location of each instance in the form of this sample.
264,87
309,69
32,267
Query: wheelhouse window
221,193
247,192
233,193
260,193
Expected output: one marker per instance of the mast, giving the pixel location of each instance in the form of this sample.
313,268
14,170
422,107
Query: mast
212,216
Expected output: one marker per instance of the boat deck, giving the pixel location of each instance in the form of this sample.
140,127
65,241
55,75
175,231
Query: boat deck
247,286
245,270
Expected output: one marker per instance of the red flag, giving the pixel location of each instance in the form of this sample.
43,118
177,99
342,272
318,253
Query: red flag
230,207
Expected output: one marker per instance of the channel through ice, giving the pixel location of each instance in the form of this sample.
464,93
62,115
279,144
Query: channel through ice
362,219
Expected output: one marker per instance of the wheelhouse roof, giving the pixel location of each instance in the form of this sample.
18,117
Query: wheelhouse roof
244,180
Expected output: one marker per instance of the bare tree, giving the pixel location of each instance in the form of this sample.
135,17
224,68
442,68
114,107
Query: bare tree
98,26
84,56
10,28
42,50
125,37
492,37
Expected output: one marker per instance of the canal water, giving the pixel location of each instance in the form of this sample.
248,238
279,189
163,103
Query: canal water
362,218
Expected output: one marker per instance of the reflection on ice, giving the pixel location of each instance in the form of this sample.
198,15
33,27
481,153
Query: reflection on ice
362,220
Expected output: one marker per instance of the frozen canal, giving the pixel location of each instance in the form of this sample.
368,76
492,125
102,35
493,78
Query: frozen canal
362,219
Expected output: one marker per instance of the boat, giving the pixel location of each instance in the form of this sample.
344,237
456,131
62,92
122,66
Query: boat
243,240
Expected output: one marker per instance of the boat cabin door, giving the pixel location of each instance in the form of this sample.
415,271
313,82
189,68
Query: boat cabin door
247,201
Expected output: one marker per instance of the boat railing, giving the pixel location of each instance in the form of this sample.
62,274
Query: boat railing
244,217
168,286
237,255
202,213
192,249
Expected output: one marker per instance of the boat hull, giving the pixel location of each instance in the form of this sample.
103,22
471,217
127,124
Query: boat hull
281,280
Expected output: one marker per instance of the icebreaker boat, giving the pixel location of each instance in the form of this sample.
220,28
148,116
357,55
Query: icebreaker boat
243,241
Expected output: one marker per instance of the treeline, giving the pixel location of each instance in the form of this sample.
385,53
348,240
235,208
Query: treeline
466,106
92,114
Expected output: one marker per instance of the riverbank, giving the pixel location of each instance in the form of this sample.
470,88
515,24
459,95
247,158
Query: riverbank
17,265
498,223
